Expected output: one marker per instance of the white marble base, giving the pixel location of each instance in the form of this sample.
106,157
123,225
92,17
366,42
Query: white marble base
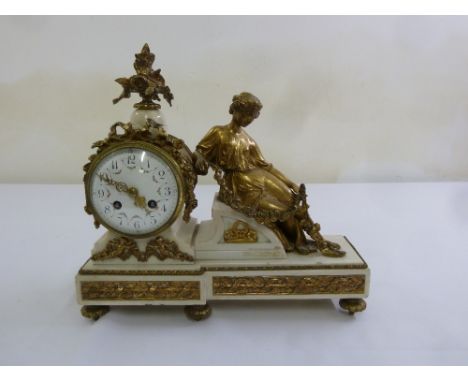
294,277
210,244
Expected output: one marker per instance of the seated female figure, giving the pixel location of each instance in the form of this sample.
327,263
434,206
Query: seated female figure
251,185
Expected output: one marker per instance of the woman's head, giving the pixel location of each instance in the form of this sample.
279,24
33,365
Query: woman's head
245,108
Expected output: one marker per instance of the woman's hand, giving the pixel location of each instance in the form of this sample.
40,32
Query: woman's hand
293,186
200,164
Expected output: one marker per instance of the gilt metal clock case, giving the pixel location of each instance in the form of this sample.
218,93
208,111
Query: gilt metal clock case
156,189
136,190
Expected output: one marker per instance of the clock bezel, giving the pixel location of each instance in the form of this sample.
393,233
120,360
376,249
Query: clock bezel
155,150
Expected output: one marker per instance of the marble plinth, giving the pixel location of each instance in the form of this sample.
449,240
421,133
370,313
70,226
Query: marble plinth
210,244
297,277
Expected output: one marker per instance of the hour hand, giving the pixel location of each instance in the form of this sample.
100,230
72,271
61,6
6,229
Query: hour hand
139,200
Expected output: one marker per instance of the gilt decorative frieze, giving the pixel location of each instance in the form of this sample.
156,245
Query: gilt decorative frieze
288,285
140,290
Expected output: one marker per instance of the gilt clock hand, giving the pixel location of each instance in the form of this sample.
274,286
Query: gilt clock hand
139,200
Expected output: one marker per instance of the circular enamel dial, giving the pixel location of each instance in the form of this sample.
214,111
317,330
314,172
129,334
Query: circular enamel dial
134,190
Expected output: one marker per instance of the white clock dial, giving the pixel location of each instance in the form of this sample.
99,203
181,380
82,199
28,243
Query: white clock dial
134,191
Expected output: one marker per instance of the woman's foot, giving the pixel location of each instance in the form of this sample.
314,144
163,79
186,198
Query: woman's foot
328,251
332,245
306,248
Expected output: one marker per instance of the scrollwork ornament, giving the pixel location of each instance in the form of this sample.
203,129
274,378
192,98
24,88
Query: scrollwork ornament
123,248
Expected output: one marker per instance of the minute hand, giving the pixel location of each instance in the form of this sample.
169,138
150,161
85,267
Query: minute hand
140,201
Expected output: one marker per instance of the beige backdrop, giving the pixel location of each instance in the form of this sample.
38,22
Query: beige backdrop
345,98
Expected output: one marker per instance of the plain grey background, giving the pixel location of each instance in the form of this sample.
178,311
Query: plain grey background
346,99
